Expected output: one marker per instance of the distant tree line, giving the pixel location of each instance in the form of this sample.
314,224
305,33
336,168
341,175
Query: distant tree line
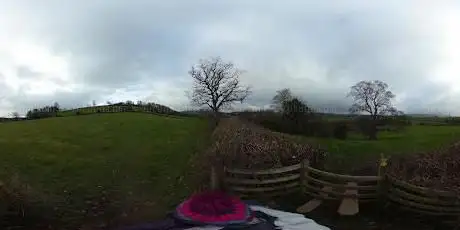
217,85
43,112
128,106
290,114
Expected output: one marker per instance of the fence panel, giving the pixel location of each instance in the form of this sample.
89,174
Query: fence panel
423,200
263,183
363,188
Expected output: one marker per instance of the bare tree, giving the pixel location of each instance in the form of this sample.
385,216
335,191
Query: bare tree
372,97
56,106
282,96
15,115
216,84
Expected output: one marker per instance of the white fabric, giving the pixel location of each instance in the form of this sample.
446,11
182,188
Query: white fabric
289,220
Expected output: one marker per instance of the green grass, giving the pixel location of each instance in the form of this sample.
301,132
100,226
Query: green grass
102,166
119,162
351,153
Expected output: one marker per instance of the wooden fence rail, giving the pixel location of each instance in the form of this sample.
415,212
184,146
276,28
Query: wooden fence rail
263,183
349,190
423,200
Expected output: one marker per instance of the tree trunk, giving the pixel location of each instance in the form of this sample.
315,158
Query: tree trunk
215,118
373,130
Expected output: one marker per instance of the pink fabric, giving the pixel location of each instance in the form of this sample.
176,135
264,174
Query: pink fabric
214,207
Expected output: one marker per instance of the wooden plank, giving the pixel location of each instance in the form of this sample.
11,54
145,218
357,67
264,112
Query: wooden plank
265,189
421,199
267,194
429,208
455,222
344,177
349,206
316,195
263,181
314,203
303,173
344,186
429,213
422,190
343,195
265,172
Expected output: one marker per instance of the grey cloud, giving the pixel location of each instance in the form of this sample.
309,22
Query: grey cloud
83,98
317,49
25,72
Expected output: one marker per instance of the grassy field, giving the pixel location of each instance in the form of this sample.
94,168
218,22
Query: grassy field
351,153
102,166
133,166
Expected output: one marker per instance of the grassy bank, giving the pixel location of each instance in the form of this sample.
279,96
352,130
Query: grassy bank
357,151
102,166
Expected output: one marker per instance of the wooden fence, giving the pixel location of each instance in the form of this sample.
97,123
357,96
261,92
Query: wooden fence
423,200
263,183
349,190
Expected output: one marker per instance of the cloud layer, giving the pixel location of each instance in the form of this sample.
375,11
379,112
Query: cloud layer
74,52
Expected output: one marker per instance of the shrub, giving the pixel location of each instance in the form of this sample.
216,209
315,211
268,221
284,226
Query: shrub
341,130
323,129
44,112
367,126
129,108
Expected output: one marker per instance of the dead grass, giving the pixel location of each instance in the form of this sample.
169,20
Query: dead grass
241,144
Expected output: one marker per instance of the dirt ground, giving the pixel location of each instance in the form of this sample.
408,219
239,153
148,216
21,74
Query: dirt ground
369,218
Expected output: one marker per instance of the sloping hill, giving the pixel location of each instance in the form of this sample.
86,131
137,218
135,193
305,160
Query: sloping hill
100,166
120,107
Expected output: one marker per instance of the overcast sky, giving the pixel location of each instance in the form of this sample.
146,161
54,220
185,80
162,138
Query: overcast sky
74,52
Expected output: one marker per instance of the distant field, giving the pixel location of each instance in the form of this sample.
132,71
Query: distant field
351,153
104,164
115,109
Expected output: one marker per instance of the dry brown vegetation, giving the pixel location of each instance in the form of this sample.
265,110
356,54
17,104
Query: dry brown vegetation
438,169
240,144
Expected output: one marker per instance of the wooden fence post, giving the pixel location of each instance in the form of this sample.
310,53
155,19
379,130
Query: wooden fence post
214,178
303,173
382,174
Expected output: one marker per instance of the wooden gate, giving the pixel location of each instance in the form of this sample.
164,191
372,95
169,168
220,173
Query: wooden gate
348,189
263,183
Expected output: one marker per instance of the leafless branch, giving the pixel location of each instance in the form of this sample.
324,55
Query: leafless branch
372,97
216,84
